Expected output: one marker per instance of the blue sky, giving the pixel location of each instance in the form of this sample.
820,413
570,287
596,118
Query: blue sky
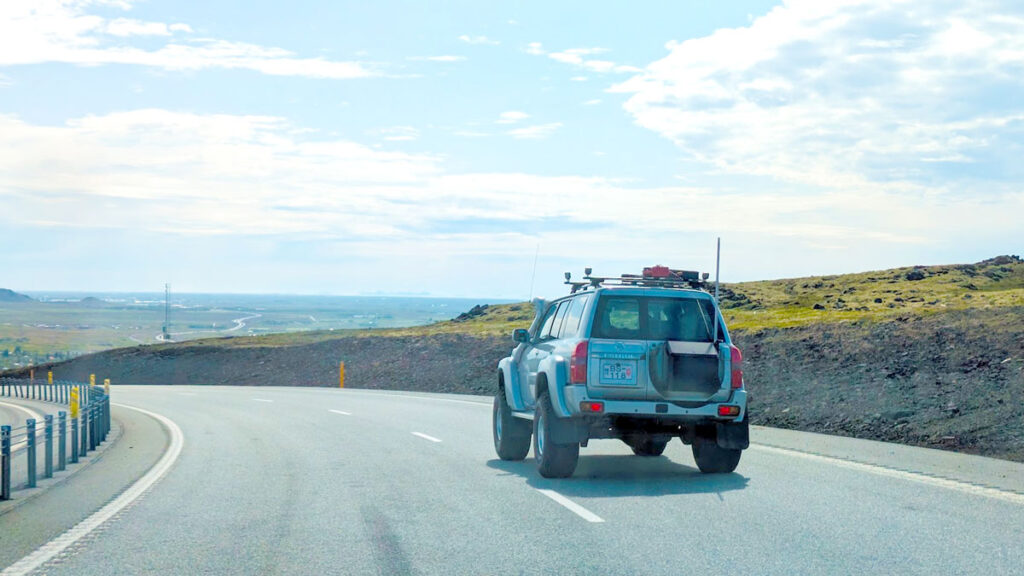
342,148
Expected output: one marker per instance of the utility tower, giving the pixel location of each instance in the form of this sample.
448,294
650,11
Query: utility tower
167,312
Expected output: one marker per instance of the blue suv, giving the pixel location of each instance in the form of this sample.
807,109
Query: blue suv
640,358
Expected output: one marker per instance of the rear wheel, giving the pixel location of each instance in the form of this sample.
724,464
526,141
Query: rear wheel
647,446
553,460
511,434
713,459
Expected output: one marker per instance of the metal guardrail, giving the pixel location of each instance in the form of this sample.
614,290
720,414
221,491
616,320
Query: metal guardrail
89,408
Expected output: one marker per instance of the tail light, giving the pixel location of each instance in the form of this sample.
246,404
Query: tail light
727,411
736,360
578,363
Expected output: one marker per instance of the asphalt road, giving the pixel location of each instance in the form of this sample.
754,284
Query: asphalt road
299,481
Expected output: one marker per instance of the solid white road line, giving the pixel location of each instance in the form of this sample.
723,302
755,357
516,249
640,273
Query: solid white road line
901,474
425,437
51,549
261,400
572,506
31,413
343,413
40,422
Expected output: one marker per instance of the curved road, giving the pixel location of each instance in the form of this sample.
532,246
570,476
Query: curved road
239,324
299,481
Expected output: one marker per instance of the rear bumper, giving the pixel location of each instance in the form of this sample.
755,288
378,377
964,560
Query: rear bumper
662,410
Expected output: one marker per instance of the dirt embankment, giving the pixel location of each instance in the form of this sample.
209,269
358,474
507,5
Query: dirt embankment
952,380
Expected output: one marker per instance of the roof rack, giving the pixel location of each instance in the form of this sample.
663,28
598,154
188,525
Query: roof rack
652,277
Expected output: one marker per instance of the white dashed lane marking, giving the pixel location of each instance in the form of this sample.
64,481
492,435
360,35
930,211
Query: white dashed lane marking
425,437
572,506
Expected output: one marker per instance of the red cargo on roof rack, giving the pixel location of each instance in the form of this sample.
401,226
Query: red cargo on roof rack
658,271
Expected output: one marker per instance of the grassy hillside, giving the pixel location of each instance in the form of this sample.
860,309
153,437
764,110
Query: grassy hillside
869,297
875,296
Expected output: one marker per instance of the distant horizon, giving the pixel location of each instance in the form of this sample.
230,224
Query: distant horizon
495,299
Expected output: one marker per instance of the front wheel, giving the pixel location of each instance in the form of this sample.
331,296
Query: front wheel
511,434
553,460
712,459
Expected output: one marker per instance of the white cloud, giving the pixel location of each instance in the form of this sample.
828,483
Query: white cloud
512,116
578,78
537,132
580,57
131,27
190,175
855,96
593,102
399,133
443,58
478,40
65,31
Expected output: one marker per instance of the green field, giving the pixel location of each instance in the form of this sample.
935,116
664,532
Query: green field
60,326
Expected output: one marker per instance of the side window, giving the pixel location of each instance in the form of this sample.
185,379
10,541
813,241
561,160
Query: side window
556,326
572,318
546,326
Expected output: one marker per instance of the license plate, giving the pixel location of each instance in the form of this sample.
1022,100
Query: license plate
618,372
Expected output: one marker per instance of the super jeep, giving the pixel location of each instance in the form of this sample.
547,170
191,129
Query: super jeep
641,358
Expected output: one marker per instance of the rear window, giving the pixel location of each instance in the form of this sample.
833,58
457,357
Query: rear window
648,318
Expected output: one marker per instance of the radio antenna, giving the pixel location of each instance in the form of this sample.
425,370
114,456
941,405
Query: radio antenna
167,312
718,260
534,274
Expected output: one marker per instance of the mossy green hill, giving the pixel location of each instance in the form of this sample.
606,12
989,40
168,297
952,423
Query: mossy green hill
876,296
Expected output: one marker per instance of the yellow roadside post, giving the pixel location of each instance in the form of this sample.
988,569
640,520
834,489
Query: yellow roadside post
92,379
106,386
74,402
49,377
341,375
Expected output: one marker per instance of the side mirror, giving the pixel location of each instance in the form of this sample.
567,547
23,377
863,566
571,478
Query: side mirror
521,335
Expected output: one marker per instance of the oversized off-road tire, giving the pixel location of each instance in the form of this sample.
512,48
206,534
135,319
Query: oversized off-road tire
511,434
712,459
647,446
553,460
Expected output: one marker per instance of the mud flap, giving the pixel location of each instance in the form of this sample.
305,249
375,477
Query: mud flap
733,435
568,431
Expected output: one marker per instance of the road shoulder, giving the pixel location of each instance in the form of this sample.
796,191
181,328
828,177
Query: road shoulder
981,471
49,514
